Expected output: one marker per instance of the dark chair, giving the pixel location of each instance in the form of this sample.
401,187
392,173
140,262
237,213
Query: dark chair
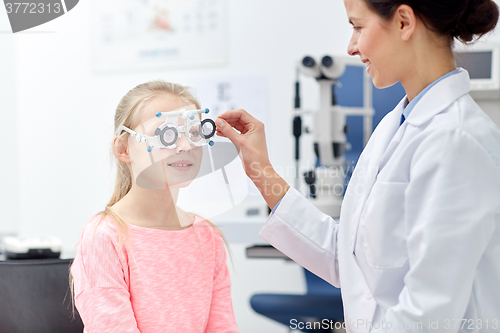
35,297
322,301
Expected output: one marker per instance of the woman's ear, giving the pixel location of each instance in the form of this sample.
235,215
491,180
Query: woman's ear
120,149
406,20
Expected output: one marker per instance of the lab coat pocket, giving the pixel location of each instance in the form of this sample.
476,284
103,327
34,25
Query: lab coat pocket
383,226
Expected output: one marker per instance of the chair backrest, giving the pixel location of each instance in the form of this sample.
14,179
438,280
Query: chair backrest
35,297
318,286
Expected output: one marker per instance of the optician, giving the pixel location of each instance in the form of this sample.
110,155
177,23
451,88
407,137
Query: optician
419,233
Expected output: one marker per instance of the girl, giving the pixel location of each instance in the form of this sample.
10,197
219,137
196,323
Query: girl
143,264
418,242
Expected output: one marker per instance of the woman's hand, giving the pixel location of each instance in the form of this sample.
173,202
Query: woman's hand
251,140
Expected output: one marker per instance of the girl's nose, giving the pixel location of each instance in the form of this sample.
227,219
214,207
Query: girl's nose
183,144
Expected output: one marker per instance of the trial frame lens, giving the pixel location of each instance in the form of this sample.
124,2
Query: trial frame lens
207,128
168,135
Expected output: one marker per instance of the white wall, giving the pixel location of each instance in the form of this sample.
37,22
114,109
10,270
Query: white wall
9,188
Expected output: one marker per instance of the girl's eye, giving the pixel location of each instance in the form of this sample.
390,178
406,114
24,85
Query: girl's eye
355,27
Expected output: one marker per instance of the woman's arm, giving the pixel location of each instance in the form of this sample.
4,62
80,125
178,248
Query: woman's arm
306,235
297,228
102,296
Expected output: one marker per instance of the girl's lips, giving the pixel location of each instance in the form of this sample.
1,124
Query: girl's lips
183,165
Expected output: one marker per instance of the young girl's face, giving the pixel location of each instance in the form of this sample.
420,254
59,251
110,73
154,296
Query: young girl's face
163,167
376,42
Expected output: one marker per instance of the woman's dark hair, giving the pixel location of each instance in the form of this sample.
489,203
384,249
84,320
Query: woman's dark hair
461,19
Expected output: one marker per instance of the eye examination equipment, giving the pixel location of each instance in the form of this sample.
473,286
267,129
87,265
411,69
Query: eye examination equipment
482,61
166,135
326,181
32,247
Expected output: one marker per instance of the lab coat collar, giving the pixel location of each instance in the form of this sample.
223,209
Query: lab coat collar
387,134
439,97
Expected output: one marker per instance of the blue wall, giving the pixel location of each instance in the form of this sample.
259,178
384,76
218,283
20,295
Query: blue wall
349,92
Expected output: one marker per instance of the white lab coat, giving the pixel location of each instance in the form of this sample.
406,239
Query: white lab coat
419,233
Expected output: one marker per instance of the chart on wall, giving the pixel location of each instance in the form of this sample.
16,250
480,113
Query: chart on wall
156,34
221,94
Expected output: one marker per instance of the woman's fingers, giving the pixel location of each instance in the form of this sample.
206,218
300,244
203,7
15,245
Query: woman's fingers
248,134
239,115
240,120
226,130
238,126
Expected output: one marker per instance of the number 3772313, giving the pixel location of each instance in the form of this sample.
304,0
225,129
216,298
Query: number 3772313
32,8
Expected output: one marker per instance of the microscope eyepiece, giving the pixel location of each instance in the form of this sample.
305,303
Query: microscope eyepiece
327,61
308,61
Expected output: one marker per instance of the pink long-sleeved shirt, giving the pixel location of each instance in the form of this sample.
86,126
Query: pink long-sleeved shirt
163,281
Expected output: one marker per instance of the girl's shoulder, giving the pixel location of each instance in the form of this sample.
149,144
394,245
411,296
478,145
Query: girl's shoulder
210,236
100,222
99,228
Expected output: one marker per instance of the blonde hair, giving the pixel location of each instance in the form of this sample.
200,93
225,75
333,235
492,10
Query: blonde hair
125,115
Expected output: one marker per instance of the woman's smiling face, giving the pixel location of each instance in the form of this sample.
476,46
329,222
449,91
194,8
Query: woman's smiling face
376,42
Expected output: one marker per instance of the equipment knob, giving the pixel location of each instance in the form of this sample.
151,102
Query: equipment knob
310,179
